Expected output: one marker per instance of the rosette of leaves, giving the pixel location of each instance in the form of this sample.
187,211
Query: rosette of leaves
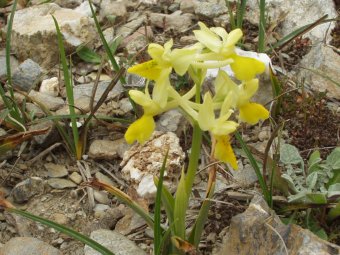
316,183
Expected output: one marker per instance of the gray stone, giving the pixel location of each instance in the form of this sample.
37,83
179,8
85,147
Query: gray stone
28,246
115,242
26,76
50,86
56,170
34,32
113,8
50,137
85,90
208,10
106,149
172,121
34,110
125,106
129,28
245,176
26,189
252,232
3,67
299,13
188,6
326,63
129,223
76,178
50,102
176,21
101,197
58,183
68,3
138,40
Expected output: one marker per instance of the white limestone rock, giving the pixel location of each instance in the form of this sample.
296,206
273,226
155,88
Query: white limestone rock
34,32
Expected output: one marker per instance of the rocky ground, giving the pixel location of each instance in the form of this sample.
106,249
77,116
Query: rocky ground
40,177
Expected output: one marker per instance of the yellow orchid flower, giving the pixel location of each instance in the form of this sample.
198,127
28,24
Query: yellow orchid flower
238,96
217,40
219,128
141,130
224,152
163,60
246,68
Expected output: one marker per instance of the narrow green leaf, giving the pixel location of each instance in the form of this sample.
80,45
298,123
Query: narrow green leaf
168,202
158,203
296,33
264,188
67,231
262,26
88,55
69,89
196,233
181,205
13,107
241,9
231,15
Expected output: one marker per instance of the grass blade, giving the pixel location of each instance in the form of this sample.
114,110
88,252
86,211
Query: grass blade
296,33
262,26
241,9
69,91
105,44
157,221
168,202
14,110
254,164
231,15
67,231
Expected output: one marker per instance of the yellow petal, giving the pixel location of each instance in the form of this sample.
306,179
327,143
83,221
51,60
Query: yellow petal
224,152
246,90
156,52
181,59
246,68
208,38
206,115
233,37
252,113
223,86
150,70
140,130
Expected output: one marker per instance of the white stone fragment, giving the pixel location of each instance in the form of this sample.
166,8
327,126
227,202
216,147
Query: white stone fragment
50,87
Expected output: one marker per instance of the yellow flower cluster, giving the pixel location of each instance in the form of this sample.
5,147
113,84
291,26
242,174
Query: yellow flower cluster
215,48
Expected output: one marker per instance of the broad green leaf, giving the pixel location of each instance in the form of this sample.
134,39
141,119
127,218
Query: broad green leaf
181,205
334,212
336,177
313,162
333,159
316,198
289,154
311,180
334,190
88,55
290,182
